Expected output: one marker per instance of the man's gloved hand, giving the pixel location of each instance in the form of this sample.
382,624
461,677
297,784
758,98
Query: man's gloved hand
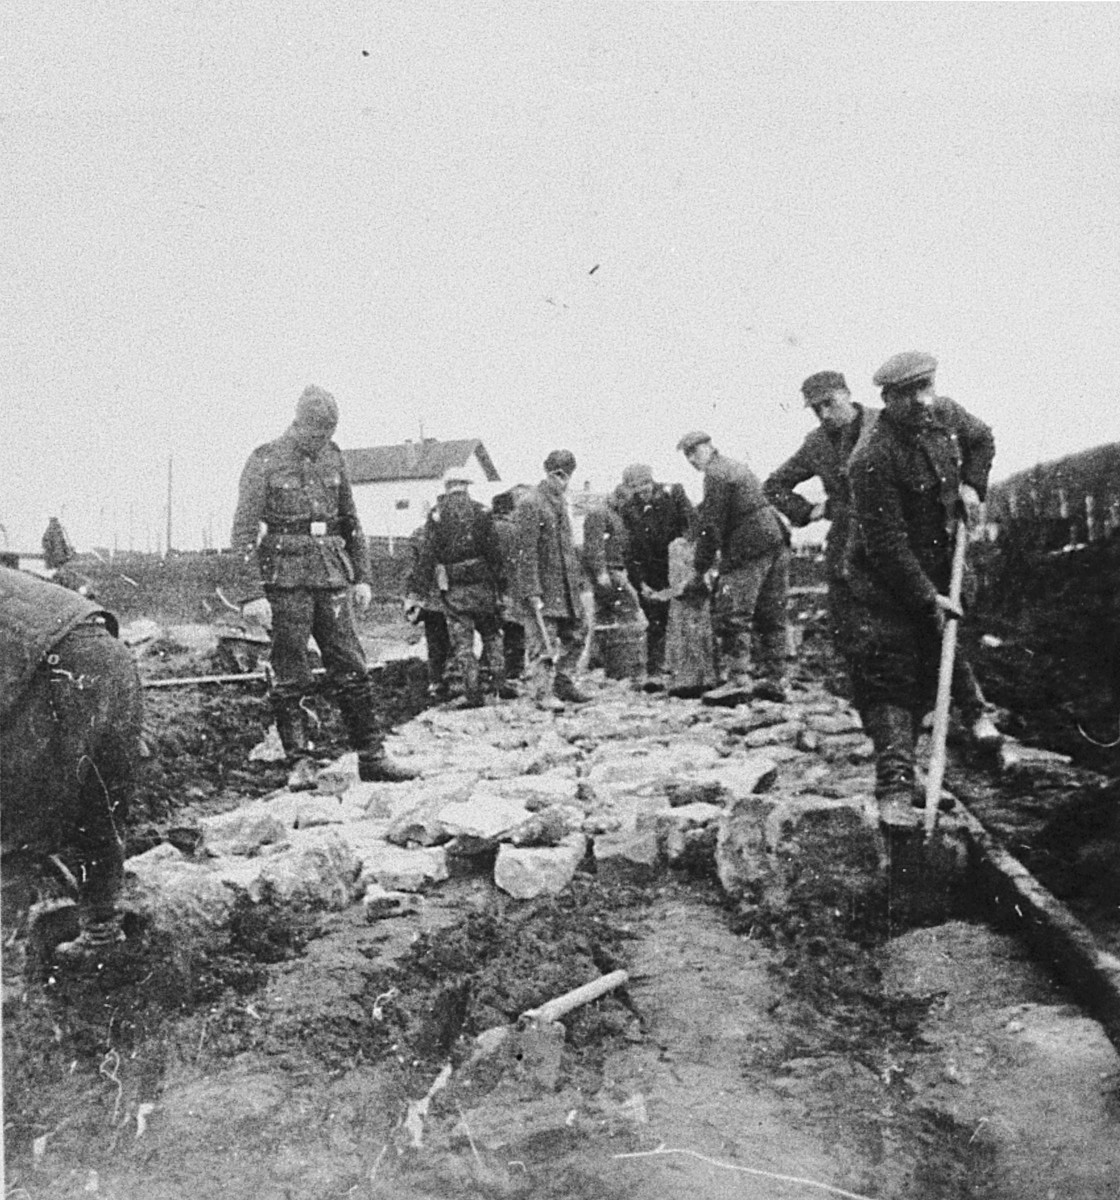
258,612
413,610
362,594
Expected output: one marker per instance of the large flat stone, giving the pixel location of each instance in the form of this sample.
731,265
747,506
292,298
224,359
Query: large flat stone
403,870
525,872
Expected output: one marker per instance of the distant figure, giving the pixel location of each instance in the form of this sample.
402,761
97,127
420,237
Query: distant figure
655,515
311,559
737,524
460,550
57,548
422,606
70,716
548,585
925,465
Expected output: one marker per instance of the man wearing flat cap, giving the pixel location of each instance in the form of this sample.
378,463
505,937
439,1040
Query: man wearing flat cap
297,527
737,524
654,516
924,466
548,585
844,427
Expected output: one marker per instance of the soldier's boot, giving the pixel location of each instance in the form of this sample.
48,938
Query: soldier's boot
98,937
893,733
356,704
291,725
564,688
774,685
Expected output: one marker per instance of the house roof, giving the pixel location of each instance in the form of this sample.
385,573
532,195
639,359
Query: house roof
427,459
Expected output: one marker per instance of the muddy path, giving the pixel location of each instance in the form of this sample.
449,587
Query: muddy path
759,1049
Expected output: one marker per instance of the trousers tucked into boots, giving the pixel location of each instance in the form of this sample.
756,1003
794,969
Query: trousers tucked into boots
355,701
893,732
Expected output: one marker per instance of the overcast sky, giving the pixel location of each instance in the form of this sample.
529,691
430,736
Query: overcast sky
583,225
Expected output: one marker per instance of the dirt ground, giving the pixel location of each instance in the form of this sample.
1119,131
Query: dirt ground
753,1053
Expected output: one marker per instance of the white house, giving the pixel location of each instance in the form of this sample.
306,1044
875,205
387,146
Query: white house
396,486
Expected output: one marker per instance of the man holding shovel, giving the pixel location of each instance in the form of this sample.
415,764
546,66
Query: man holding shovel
923,470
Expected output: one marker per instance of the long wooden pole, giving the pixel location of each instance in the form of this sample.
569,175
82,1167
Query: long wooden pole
936,773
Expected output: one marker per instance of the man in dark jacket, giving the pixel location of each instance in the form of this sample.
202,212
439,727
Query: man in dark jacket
461,552
655,516
70,715
824,455
309,560
422,607
737,524
503,507
548,586
605,557
925,464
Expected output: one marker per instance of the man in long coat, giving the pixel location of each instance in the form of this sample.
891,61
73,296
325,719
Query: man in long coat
925,465
548,586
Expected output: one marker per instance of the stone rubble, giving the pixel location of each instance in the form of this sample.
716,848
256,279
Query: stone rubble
626,786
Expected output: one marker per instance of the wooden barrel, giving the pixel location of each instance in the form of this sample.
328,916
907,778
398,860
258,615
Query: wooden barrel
622,650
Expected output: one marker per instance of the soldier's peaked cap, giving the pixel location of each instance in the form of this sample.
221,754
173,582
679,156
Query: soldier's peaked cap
907,367
316,406
821,384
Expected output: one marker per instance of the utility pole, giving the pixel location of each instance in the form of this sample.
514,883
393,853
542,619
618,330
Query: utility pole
170,460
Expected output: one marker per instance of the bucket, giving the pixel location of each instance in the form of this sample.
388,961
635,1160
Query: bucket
622,650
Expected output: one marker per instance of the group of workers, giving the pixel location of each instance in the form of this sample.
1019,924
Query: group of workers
901,483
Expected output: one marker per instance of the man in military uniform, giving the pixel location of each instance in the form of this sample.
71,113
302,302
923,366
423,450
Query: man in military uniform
548,585
925,464
460,550
655,516
70,716
737,524
310,560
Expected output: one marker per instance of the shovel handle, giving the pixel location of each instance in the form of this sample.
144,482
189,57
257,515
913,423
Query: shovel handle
936,773
553,1010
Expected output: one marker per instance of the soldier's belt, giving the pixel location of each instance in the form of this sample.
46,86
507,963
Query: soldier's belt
308,528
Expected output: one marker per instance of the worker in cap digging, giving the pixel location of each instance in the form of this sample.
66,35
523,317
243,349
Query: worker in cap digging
461,552
737,526
547,587
655,515
843,426
924,466
297,527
